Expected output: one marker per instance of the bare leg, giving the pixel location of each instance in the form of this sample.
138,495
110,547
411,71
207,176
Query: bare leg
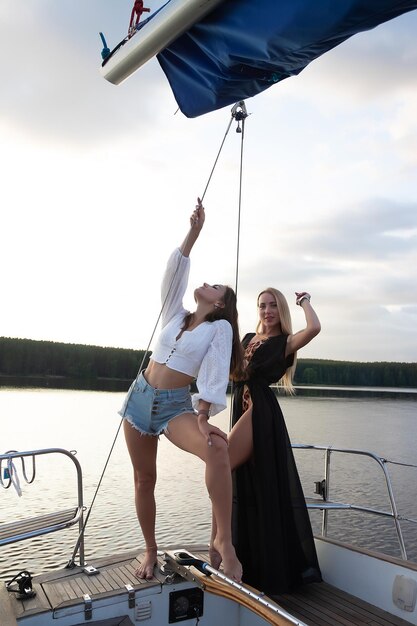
240,450
184,433
214,555
241,440
142,451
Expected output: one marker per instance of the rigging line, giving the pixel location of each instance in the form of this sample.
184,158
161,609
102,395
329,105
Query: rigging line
240,114
399,463
239,207
217,157
186,239
71,562
236,115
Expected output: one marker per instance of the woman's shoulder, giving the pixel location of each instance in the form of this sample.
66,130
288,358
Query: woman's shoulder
222,326
222,323
247,338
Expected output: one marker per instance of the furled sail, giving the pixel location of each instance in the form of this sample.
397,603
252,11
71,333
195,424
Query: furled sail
243,47
218,52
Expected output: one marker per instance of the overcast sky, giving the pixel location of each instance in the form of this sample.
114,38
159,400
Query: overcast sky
98,182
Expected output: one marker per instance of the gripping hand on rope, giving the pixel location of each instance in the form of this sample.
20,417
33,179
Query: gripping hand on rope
196,224
198,217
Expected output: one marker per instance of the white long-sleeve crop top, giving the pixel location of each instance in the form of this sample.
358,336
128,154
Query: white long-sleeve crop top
203,352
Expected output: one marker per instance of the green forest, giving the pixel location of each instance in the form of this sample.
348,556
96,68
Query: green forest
30,358
357,374
26,357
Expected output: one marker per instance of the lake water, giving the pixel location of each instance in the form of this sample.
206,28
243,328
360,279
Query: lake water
87,421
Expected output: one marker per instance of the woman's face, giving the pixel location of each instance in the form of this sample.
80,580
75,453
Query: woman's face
210,293
268,312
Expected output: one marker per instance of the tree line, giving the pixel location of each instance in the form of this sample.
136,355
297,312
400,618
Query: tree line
30,358
27,357
357,374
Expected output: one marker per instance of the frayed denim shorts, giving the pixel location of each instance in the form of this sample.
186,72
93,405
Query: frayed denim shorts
149,410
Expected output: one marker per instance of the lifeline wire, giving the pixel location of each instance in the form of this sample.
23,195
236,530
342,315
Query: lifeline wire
237,116
398,463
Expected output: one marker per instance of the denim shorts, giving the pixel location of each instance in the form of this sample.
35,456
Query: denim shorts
149,410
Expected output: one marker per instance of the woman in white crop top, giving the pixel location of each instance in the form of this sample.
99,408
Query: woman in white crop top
202,346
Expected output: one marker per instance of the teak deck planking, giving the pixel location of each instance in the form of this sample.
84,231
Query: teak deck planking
317,604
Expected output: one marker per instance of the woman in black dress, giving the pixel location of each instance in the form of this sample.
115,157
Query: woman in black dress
271,527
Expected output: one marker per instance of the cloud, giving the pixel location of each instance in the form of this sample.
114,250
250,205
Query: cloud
360,265
51,85
369,66
375,229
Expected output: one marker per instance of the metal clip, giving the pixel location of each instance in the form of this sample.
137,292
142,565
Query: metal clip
170,579
131,596
320,488
88,607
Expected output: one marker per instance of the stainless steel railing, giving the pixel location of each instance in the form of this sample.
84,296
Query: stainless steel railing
41,525
326,504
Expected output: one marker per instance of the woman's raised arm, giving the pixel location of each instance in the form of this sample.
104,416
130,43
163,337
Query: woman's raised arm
196,224
303,337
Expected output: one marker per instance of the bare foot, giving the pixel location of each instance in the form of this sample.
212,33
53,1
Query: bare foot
215,557
231,564
147,566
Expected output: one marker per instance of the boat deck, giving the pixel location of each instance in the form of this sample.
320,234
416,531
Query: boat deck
318,604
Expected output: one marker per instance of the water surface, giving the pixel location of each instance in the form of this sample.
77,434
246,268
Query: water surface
87,421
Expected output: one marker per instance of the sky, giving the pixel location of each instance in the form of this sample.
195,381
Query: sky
98,182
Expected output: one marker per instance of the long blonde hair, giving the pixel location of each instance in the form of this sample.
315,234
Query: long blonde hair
286,329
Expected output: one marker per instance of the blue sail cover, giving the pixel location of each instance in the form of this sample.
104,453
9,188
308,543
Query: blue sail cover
245,46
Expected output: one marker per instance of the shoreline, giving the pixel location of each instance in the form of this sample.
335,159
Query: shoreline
65,382
122,385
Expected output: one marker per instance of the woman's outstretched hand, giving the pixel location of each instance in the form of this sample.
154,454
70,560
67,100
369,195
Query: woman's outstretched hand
198,217
196,224
301,296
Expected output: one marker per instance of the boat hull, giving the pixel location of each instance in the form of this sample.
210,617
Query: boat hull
370,576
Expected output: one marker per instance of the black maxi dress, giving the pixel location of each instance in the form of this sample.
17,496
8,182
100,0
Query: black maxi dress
271,528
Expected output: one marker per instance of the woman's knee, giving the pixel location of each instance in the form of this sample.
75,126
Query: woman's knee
145,481
218,449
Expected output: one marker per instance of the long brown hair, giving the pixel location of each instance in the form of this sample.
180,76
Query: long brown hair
229,313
